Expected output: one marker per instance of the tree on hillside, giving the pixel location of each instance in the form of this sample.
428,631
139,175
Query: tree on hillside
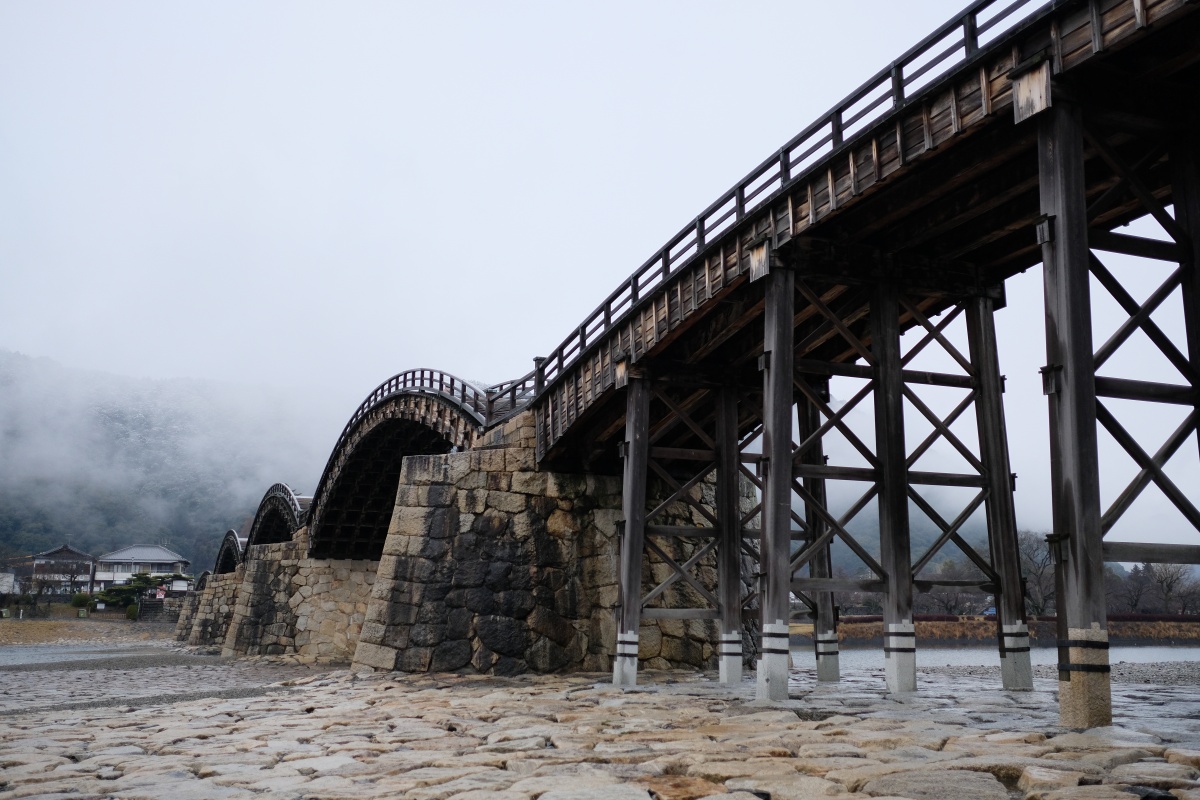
1169,580
1037,565
1131,592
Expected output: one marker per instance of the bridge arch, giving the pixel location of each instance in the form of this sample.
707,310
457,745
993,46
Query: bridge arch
230,554
279,514
418,412
202,581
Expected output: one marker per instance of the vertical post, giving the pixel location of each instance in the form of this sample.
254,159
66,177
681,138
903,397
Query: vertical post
1015,670
778,361
1185,192
539,374
1085,699
633,506
729,529
899,635
825,640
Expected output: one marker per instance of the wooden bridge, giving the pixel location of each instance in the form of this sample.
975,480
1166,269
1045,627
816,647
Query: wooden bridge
1018,133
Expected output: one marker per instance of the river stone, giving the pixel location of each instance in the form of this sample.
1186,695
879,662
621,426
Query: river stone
1045,779
619,792
1156,774
800,787
1179,755
938,785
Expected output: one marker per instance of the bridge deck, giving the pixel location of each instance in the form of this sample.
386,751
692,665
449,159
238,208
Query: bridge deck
937,186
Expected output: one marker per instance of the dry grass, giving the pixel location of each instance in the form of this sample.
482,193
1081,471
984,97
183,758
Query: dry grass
72,631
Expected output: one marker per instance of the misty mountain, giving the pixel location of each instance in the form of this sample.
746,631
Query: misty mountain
103,461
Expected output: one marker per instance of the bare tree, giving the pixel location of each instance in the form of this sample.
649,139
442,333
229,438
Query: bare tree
1169,581
1132,591
1037,565
947,599
73,571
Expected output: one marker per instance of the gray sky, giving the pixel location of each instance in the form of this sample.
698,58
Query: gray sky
317,196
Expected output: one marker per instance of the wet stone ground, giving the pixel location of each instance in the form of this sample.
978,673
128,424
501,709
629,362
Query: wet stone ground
163,724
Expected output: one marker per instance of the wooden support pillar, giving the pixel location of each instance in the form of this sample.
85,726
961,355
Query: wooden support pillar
729,556
899,635
778,361
1070,384
633,505
825,639
1185,191
1013,629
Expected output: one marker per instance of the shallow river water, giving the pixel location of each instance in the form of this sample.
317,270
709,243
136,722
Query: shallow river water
972,656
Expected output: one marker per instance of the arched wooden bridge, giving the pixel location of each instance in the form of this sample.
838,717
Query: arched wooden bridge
1019,133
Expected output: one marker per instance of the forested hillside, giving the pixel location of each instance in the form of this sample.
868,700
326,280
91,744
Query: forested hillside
104,461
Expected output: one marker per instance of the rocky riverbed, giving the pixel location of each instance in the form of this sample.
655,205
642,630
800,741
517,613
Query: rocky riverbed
139,722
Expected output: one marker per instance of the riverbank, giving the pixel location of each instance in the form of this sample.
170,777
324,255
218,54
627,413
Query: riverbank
78,631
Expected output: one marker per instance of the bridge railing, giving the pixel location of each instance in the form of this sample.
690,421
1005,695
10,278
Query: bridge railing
469,397
285,492
505,399
947,48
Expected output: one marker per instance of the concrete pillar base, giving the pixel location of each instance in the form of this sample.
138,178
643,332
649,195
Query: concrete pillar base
828,661
772,683
900,657
1016,672
731,658
1085,697
626,663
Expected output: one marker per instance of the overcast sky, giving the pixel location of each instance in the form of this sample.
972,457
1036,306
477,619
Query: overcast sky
317,196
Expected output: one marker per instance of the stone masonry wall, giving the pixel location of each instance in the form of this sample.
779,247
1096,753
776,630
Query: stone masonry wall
213,611
183,625
289,604
491,565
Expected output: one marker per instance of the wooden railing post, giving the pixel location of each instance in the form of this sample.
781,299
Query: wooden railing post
539,374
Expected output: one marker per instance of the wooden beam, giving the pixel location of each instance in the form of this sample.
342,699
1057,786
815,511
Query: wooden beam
681,531
680,613
837,585
729,533
1085,699
1139,246
1147,391
778,377
894,549
820,566
633,506
1016,670
813,367
1147,553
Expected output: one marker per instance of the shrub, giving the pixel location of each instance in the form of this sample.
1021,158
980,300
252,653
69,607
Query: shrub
81,600
131,611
